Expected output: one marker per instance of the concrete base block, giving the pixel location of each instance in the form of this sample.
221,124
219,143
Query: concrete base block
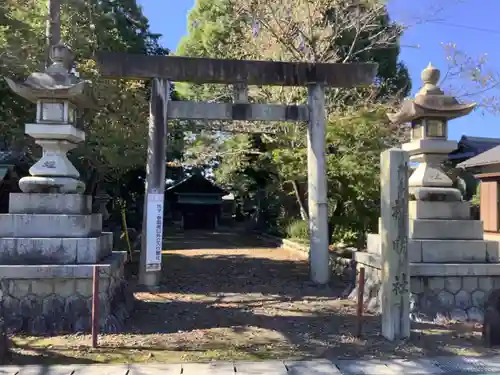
55,250
50,300
414,248
373,243
67,204
439,210
435,194
433,269
106,267
428,229
458,251
371,260
455,269
50,225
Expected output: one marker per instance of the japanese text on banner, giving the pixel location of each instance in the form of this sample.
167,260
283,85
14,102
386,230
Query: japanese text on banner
154,238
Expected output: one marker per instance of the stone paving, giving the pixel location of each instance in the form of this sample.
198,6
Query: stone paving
434,366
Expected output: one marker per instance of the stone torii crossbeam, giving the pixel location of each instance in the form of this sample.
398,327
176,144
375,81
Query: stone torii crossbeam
240,73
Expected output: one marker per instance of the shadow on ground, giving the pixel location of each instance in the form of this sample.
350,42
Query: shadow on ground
28,353
227,296
223,238
251,296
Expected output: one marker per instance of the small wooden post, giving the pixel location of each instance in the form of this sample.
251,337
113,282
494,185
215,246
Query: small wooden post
95,306
361,293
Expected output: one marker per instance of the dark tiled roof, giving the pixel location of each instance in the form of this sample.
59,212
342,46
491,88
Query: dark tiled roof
471,146
481,144
492,156
196,184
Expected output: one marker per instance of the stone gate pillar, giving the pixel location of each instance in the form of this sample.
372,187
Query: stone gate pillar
395,287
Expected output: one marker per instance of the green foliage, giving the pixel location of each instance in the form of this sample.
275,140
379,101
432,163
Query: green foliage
117,131
214,30
298,229
353,173
113,157
476,198
269,171
245,164
21,52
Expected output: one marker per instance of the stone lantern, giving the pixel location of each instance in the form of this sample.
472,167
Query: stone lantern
452,267
428,115
59,96
51,242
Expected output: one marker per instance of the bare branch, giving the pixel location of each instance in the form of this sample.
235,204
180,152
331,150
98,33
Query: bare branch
471,79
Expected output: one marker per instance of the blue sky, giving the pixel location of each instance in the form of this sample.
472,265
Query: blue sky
475,29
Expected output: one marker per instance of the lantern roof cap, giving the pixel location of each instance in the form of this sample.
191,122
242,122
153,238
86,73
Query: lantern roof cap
57,82
431,101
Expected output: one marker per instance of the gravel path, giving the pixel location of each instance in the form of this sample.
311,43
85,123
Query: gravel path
227,296
228,290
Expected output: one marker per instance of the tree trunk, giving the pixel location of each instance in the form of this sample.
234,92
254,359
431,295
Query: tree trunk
339,208
91,182
300,200
53,31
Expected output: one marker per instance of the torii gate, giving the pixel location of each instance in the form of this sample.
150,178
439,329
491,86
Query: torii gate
240,73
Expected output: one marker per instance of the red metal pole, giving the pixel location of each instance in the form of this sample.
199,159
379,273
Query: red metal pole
361,292
95,306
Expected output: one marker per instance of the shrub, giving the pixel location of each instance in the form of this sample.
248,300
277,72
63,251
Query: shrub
298,229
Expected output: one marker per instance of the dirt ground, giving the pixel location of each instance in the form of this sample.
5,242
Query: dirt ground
227,296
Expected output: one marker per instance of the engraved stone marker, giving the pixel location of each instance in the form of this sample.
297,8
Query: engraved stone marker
395,289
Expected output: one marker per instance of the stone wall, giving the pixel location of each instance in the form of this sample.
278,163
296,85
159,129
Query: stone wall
341,264
36,302
433,298
459,298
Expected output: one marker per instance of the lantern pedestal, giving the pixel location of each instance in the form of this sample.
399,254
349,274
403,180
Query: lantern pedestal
430,154
54,173
62,185
435,194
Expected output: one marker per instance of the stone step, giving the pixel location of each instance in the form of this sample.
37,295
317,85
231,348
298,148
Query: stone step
33,203
454,251
430,229
433,269
55,250
50,225
439,210
444,251
373,246
107,267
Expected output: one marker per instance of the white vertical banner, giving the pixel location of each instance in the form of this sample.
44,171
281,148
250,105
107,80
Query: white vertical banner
154,234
